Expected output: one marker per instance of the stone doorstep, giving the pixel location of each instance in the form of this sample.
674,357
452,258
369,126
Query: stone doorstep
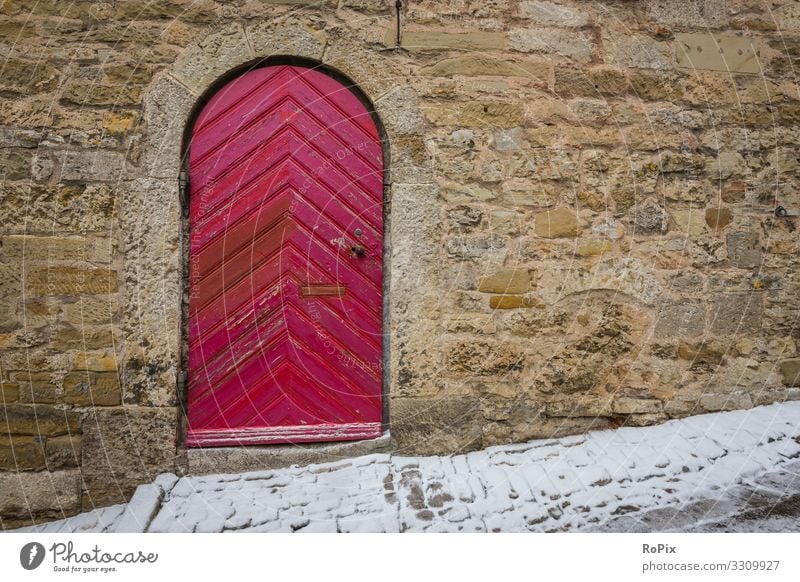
215,460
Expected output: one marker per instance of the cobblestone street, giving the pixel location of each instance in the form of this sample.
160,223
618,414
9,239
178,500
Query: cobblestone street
733,471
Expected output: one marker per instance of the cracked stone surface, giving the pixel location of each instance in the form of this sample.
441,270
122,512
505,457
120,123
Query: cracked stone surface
731,471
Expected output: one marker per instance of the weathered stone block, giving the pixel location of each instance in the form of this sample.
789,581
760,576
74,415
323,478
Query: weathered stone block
575,45
61,280
28,76
589,82
122,448
492,247
690,223
428,426
478,323
9,392
438,40
91,165
681,319
484,358
702,352
212,56
744,250
36,387
96,362
591,406
39,420
593,247
557,223
552,14
471,65
718,218
286,36
717,52
41,248
85,338
625,405
719,402
63,451
475,114
636,52
15,163
24,493
737,313
10,295
89,389
21,453
650,218
513,302
791,372
506,281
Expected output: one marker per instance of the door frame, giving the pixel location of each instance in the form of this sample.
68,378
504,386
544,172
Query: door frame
183,195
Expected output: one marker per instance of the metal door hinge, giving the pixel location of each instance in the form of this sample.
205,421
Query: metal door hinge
183,185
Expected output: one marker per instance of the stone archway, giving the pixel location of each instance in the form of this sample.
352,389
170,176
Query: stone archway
152,220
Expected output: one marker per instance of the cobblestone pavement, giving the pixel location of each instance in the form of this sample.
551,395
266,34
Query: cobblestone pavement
733,471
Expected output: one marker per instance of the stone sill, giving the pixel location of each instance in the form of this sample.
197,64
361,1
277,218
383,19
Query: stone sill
258,458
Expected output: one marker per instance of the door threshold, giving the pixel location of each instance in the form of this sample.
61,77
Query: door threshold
208,461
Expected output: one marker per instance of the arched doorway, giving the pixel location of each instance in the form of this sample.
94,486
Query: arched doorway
285,263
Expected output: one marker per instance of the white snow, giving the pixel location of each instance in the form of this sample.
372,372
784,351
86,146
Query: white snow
619,480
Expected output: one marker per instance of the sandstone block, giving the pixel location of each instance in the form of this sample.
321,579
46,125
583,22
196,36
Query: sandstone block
650,218
744,250
791,372
506,281
479,323
62,452
513,302
718,218
431,426
637,52
89,389
717,52
485,358
593,247
91,165
475,114
472,65
589,82
46,248
738,313
61,280
144,446
9,392
552,14
24,493
557,223
36,387
719,402
39,420
492,247
590,406
681,319
690,223
437,40
576,45
96,362
625,405
21,453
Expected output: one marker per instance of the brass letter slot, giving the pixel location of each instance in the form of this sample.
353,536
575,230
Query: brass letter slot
318,290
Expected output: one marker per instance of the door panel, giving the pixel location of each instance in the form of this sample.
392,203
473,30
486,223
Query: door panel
286,264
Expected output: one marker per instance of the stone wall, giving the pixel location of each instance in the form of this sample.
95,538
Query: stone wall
581,217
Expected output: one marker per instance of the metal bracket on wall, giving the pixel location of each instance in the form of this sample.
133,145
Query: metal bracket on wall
183,185
781,212
398,5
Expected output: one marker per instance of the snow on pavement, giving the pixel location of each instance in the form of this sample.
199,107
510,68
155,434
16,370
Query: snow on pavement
613,480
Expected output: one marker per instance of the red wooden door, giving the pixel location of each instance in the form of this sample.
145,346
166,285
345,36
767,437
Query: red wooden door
285,290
